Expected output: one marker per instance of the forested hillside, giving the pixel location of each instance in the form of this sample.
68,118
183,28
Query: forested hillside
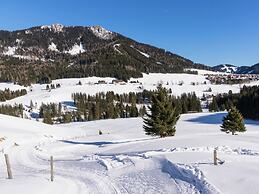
43,53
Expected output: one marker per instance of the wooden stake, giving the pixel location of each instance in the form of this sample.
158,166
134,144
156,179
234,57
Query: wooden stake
215,157
8,166
51,169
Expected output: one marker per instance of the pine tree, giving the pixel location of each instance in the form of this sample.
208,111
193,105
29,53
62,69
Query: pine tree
67,117
47,118
233,122
213,107
162,115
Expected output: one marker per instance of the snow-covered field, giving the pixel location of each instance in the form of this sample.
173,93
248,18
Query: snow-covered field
179,83
125,160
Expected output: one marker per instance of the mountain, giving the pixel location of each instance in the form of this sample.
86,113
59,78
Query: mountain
254,69
40,54
227,68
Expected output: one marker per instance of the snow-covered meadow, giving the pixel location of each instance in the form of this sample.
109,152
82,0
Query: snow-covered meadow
178,83
123,159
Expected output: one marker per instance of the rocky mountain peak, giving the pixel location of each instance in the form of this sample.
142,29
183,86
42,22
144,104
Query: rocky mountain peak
53,27
101,32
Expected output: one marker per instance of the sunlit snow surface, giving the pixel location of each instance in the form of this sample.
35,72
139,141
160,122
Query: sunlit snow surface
178,83
125,160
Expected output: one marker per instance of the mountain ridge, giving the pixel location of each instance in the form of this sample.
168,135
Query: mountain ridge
47,52
229,68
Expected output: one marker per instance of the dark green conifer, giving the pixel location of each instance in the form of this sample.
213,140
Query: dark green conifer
162,116
233,122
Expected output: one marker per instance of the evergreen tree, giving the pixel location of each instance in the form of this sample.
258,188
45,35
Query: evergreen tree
142,111
133,110
213,107
233,122
67,117
47,118
163,115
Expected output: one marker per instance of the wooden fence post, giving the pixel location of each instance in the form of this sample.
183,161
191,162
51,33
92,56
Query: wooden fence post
8,166
215,157
51,169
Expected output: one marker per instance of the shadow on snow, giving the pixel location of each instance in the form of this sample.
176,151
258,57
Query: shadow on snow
103,143
217,119
209,119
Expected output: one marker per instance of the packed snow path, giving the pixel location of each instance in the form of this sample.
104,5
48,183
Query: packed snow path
125,160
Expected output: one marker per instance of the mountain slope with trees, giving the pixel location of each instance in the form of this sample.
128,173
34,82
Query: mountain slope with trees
228,68
43,53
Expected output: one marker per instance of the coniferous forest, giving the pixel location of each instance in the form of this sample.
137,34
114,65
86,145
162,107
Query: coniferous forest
110,106
7,94
15,110
247,102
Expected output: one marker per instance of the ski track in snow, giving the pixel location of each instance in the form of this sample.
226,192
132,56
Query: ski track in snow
130,172
123,173
119,161
182,178
83,177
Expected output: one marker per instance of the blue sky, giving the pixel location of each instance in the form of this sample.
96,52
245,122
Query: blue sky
206,31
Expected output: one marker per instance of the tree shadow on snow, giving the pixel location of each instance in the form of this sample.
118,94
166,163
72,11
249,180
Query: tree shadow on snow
251,122
217,119
103,143
209,119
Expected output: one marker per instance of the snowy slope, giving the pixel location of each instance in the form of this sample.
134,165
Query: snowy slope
125,160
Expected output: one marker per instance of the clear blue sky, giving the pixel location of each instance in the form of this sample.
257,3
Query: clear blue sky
206,31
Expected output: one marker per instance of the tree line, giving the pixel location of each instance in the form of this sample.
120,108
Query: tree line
110,106
7,94
12,110
247,102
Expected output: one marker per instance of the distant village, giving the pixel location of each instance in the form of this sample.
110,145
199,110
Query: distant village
231,78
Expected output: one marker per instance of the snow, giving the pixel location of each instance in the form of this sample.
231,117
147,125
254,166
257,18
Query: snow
18,41
26,57
115,47
76,49
10,51
251,72
229,69
144,54
125,160
53,27
11,86
178,83
101,32
53,47
206,72
28,32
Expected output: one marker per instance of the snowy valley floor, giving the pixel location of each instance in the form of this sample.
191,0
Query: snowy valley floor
125,160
